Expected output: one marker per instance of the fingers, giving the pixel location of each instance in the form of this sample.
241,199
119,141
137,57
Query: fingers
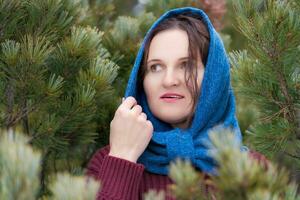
143,116
128,103
137,109
150,125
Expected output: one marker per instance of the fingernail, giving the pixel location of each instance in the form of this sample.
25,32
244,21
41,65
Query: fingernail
123,98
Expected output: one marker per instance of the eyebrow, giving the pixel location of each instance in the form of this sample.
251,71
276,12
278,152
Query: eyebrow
158,60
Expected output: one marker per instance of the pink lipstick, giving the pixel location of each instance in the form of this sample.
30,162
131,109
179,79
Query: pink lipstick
171,97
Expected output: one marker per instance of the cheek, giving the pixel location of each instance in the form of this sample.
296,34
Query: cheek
149,86
200,76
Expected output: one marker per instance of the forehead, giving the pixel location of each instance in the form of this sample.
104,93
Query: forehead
169,44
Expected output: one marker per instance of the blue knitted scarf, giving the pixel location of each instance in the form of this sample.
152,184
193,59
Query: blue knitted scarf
215,106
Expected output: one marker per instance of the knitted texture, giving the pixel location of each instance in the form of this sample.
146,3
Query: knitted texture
122,179
215,107
125,180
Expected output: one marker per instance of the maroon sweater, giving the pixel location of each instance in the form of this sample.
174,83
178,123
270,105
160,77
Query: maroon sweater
122,179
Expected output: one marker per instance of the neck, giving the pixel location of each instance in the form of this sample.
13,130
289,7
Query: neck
183,124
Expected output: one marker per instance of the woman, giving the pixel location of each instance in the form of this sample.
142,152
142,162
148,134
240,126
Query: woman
179,89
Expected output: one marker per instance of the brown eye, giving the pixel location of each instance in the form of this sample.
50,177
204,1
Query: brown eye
155,67
184,65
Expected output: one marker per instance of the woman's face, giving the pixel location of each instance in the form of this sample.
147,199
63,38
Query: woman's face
164,83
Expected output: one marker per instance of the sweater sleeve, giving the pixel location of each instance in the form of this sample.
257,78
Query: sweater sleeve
119,178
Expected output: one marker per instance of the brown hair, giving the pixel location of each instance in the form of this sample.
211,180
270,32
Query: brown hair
198,44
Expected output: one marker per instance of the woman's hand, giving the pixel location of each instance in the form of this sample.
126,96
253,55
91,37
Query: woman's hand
130,131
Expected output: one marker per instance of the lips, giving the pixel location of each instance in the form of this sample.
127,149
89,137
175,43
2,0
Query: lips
172,96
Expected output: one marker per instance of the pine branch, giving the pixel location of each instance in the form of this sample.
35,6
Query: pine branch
153,195
75,188
9,93
188,183
25,118
268,74
41,41
241,177
274,55
43,174
291,155
19,166
23,113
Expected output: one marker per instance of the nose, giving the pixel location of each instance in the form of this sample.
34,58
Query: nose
171,78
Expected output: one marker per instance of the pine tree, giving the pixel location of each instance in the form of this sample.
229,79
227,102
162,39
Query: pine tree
55,81
241,177
123,39
19,174
267,73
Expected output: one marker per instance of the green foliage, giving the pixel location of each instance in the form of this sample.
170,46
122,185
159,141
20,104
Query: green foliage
239,176
56,81
153,195
67,187
246,111
251,179
104,13
52,17
268,75
187,181
101,13
242,178
19,168
125,28
123,39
